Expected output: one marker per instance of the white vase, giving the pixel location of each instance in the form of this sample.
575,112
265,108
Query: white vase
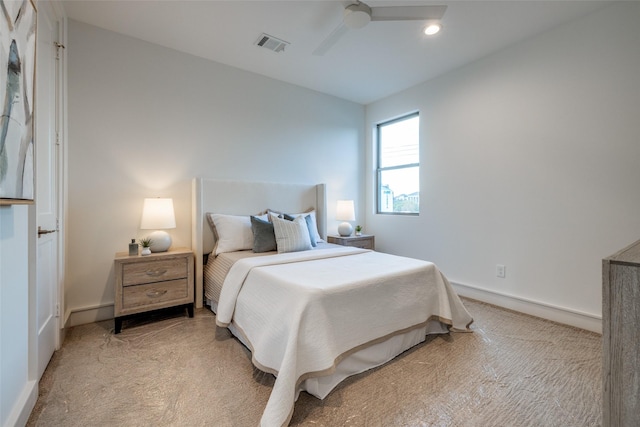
146,251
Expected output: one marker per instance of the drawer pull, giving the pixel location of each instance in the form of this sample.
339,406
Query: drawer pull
156,273
154,293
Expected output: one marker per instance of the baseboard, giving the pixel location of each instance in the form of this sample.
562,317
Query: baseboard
89,314
62,335
567,316
22,409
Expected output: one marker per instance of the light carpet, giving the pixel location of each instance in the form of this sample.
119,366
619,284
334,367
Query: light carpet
171,370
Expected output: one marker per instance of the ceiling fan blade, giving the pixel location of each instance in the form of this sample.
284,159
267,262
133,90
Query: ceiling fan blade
331,39
407,13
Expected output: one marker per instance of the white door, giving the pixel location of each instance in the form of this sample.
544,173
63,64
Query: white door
47,192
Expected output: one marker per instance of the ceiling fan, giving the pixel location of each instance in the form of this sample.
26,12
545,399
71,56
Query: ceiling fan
358,15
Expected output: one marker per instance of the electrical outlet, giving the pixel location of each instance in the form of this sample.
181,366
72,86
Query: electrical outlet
501,271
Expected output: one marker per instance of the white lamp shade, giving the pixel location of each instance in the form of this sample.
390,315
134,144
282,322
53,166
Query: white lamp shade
158,214
345,211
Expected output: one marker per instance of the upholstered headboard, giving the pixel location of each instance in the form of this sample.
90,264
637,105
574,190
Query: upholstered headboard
246,198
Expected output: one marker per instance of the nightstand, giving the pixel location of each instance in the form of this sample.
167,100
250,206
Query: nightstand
365,241
152,282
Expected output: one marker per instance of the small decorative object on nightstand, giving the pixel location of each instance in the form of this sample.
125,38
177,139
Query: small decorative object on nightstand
365,241
133,248
152,282
146,246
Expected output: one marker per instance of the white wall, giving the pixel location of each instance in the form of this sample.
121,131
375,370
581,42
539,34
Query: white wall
144,120
529,159
18,389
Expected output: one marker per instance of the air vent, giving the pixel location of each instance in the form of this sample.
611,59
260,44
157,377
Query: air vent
271,43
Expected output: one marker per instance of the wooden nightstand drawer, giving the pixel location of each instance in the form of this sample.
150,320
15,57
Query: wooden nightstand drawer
363,242
154,271
154,293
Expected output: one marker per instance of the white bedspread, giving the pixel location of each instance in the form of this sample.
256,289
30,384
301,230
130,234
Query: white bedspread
303,312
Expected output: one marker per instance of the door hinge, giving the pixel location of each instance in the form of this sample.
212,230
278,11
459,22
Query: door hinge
57,310
58,46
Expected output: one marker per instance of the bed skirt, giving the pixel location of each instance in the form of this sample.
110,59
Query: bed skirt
359,361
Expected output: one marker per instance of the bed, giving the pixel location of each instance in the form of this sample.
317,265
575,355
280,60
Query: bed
311,317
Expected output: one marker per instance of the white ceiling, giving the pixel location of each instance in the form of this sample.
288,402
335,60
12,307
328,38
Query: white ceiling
365,65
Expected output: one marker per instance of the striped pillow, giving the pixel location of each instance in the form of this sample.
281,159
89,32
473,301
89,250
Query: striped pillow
291,236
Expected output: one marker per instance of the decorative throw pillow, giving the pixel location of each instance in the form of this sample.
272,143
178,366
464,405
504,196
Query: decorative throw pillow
310,218
310,226
232,232
313,227
291,236
271,214
264,237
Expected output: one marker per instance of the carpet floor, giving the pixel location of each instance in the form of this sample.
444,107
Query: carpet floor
170,370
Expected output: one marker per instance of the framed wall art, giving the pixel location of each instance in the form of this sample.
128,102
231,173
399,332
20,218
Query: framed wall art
17,82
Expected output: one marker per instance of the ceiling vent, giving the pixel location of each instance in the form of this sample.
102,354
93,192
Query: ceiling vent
271,43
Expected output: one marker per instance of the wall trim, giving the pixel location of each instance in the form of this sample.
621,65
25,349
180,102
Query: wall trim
22,409
89,314
567,316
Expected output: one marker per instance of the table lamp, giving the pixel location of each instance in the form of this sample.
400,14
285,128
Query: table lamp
345,212
158,214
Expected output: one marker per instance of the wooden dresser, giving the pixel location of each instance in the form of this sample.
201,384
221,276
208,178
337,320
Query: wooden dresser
621,338
159,280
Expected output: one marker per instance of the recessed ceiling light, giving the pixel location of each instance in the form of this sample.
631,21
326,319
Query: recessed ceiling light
432,28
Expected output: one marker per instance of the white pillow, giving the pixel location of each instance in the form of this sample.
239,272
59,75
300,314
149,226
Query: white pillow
291,236
232,232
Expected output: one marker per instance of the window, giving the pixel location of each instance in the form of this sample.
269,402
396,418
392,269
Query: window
399,165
